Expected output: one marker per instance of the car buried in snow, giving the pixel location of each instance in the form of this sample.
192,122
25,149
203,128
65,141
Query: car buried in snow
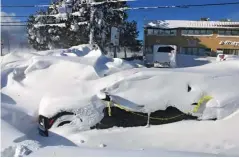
113,114
118,105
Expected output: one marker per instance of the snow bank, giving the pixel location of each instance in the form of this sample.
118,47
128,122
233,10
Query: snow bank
17,128
223,57
85,152
8,134
89,67
215,137
191,60
69,79
38,73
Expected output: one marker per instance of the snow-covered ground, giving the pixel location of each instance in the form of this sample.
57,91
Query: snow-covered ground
45,82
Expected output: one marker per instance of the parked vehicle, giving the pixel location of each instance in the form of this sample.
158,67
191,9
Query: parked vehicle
164,56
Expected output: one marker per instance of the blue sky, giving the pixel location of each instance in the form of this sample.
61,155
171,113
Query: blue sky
214,13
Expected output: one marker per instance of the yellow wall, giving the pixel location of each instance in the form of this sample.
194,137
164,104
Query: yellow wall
201,41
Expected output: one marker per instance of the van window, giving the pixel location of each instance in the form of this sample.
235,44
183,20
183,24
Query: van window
165,49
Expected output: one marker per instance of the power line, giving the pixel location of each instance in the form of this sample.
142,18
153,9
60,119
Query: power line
213,4
178,6
14,22
49,5
40,25
17,16
13,25
128,8
125,8
139,8
23,6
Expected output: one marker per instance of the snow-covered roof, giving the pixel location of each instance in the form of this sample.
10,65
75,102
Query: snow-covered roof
170,24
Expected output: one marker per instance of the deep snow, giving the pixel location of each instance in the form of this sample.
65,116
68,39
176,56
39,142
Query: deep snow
45,82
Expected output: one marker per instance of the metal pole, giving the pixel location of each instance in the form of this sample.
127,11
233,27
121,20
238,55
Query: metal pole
8,41
115,52
1,49
144,37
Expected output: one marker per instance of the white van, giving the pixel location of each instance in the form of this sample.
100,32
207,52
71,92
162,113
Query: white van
164,55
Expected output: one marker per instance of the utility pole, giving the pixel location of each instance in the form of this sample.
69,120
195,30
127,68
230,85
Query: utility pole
2,48
144,37
115,39
115,51
8,41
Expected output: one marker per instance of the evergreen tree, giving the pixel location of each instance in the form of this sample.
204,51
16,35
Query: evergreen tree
68,23
128,37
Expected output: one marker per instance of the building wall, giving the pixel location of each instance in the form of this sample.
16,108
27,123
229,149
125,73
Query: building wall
202,41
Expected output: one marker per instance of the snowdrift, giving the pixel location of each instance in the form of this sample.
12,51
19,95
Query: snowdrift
86,152
76,79
41,72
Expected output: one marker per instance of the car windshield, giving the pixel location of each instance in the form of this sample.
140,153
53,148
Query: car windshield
165,49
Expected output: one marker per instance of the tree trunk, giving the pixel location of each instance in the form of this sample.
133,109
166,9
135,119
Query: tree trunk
92,28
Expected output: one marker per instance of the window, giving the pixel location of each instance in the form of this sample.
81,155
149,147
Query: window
167,32
230,51
235,32
237,52
196,32
228,32
183,50
165,49
201,51
221,32
209,32
190,32
184,32
195,51
156,31
162,32
173,32
150,31
203,32
190,51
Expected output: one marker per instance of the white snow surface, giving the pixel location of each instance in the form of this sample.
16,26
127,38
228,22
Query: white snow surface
72,79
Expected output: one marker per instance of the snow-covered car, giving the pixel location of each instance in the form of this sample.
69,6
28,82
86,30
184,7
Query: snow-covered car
110,115
158,96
